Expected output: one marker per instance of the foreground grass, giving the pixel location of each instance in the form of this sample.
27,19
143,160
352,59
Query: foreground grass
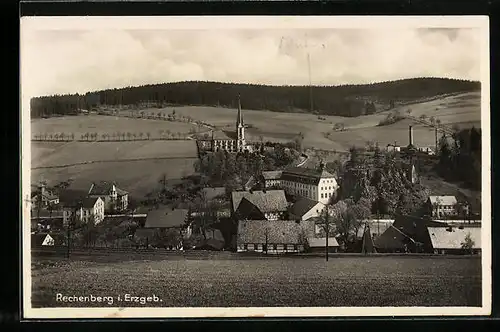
343,281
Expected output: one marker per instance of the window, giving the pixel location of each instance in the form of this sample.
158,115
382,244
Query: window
322,196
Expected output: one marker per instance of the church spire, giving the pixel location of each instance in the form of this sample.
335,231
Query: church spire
239,120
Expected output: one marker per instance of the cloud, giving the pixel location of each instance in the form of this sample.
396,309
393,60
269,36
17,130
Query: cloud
80,61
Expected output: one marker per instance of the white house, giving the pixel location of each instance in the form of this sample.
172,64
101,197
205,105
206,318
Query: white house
114,198
47,197
305,208
393,148
314,184
89,209
442,206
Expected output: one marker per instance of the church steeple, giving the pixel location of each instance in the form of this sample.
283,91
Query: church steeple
239,120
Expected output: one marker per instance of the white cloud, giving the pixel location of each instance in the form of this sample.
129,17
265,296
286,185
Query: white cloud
68,62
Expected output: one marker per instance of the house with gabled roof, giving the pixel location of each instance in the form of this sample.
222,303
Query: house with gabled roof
262,204
47,197
164,227
47,240
284,236
86,209
442,206
305,208
115,199
451,240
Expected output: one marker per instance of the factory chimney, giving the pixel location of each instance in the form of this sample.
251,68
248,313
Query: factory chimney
410,134
436,138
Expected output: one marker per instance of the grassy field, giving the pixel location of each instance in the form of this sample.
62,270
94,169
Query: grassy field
136,177
79,125
343,281
50,154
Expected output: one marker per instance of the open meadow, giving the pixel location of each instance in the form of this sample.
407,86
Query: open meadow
105,124
462,109
287,281
136,166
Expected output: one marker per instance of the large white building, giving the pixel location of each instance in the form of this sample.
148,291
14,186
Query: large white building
314,184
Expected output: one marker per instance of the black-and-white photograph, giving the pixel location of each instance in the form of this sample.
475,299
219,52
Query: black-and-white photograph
273,166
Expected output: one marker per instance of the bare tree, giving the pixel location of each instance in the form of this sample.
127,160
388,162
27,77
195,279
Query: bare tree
148,134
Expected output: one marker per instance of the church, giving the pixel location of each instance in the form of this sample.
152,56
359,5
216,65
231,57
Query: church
229,141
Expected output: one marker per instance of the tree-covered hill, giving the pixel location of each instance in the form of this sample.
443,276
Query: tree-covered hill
343,100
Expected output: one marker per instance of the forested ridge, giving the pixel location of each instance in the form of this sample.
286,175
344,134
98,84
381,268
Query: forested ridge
342,100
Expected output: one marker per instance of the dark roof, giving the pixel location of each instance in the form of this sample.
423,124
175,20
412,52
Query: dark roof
143,233
165,217
265,201
302,206
248,210
214,192
392,238
305,175
89,202
104,188
278,232
224,135
211,244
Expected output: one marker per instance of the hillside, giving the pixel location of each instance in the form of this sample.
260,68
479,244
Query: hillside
345,100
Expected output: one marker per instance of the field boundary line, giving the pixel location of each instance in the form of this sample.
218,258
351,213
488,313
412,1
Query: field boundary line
110,161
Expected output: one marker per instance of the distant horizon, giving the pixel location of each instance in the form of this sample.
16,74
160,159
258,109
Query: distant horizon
259,84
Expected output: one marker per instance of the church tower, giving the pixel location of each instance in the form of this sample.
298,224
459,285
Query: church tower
240,129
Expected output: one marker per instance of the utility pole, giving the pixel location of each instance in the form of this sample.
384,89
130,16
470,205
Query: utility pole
327,231
310,81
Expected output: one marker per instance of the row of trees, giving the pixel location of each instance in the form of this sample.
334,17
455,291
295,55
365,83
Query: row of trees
346,100
115,136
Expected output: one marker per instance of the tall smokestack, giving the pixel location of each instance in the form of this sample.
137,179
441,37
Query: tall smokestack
436,138
410,134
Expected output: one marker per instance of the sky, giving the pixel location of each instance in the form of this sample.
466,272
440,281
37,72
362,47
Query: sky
71,61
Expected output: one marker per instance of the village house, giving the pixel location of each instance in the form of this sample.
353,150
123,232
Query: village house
442,206
85,210
393,148
172,224
115,199
305,208
47,196
314,232
41,240
259,205
272,179
451,240
283,236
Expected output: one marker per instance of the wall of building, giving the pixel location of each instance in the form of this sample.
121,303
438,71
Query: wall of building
272,248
